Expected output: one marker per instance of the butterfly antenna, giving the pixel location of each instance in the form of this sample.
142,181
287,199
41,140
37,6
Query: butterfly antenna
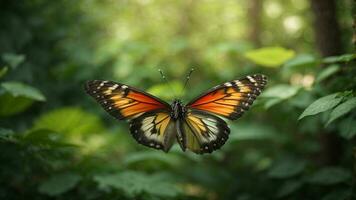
187,78
165,80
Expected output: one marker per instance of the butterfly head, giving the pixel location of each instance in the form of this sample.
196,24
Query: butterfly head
178,110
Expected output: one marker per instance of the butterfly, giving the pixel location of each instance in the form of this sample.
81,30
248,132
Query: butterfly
197,126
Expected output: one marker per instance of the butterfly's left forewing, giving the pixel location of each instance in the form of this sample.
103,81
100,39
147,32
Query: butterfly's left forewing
150,122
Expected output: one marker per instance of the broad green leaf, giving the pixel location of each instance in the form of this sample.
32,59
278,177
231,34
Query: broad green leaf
69,121
342,109
321,105
340,58
134,183
330,176
10,105
288,188
45,138
327,72
167,91
303,60
13,60
286,168
20,89
270,56
59,183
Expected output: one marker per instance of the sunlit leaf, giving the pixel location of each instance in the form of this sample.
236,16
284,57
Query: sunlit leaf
20,89
340,58
342,109
327,72
59,183
73,123
134,183
321,105
286,168
330,176
270,56
13,60
289,187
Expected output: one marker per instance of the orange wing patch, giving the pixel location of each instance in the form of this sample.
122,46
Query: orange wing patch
231,99
121,101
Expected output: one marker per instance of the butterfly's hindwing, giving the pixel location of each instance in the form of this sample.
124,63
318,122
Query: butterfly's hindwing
122,101
202,132
154,129
230,99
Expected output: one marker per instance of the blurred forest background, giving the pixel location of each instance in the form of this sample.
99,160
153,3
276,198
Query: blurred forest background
296,142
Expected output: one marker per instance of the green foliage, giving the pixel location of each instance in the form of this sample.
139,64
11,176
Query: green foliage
135,184
57,143
59,183
321,105
330,176
270,56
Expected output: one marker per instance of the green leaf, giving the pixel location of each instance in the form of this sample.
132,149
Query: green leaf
147,156
282,91
136,183
45,138
73,121
13,60
330,176
59,184
342,109
286,168
288,188
302,60
341,58
7,134
321,105
270,56
166,91
10,105
327,72
3,71
252,131
20,89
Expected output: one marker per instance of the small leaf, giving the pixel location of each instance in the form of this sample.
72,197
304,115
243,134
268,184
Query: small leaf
288,188
20,89
327,72
270,56
3,71
342,109
6,134
321,105
341,58
330,176
59,184
13,60
286,169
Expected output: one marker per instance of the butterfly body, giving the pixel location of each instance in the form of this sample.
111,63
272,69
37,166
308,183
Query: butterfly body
196,126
